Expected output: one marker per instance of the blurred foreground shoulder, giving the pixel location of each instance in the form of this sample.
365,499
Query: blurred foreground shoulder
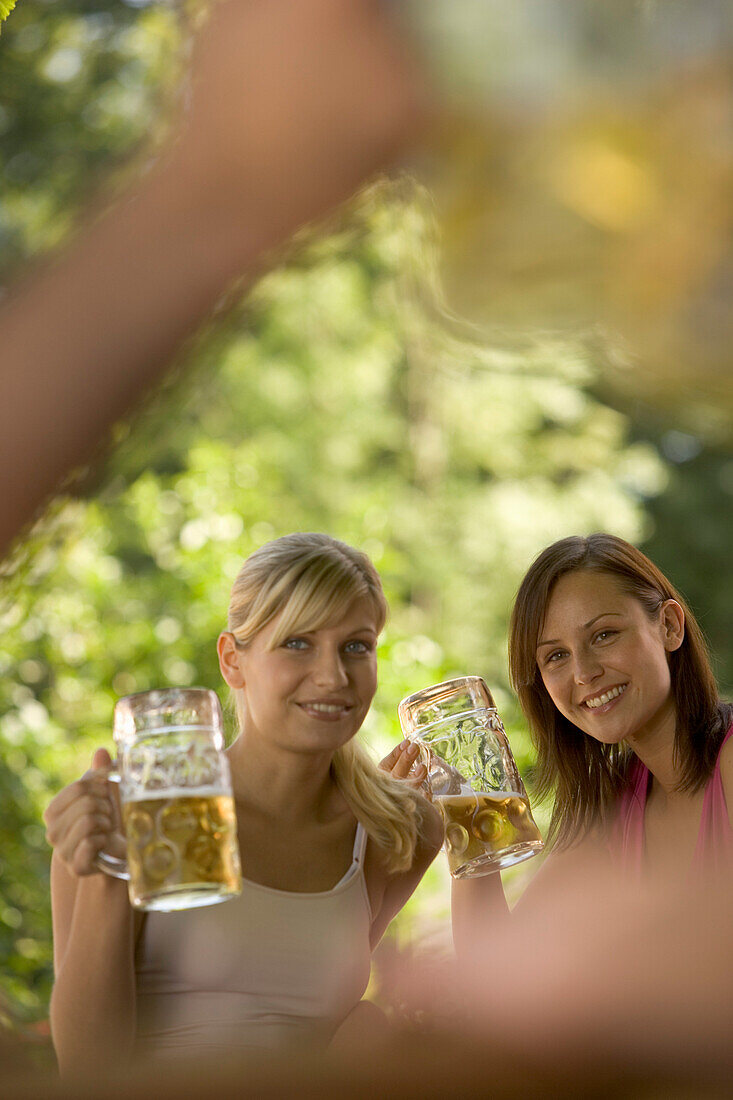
566,865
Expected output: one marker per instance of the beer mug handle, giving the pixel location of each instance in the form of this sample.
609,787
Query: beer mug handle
426,758
111,865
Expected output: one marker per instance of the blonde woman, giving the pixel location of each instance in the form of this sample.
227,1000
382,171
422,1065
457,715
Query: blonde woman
332,847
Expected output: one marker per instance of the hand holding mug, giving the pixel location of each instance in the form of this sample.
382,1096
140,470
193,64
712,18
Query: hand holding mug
82,820
403,763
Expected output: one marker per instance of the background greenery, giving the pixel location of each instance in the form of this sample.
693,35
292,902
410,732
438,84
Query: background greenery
338,395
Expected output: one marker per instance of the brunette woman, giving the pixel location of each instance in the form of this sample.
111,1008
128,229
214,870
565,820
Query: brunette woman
632,737
614,678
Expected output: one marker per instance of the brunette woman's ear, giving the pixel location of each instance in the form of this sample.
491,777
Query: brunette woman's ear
673,625
226,647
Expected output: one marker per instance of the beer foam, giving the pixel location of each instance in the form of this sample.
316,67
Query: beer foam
467,791
159,793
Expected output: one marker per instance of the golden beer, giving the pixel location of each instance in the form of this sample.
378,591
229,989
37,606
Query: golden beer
182,849
481,829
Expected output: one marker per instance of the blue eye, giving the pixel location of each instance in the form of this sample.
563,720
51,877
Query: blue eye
358,647
295,643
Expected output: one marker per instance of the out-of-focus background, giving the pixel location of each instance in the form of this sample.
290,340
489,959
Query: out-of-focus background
525,334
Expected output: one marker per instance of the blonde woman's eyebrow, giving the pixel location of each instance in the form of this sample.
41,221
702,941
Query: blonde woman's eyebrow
352,633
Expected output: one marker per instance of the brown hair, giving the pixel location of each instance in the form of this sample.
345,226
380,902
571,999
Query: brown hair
585,775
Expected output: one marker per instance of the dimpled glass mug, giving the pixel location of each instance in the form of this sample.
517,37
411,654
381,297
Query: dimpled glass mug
177,806
472,776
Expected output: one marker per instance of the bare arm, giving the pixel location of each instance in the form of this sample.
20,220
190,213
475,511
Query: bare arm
402,764
399,888
93,999
478,911
293,103
477,904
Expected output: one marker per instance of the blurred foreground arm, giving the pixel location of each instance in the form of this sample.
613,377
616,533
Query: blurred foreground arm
293,103
479,912
610,976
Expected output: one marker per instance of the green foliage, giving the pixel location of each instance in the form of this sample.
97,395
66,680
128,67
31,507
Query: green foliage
81,84
324,402
692,535
6,6
336,397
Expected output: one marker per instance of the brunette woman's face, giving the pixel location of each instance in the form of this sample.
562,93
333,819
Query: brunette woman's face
313,690
604,660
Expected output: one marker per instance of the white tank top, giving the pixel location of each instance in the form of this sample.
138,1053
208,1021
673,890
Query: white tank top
260,971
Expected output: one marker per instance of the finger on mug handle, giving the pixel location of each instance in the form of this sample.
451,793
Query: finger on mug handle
101,760
392,757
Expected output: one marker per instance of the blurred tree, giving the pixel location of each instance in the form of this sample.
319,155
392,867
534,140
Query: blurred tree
587,152
6,6
81,84
691,523
334,399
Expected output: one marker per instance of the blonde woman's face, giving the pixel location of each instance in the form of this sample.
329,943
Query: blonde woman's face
311,692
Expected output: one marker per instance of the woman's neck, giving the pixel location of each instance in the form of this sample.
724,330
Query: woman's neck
288,785
654,745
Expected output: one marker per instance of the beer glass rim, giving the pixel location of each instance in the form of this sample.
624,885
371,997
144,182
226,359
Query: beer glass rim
166,691
129,708
475,687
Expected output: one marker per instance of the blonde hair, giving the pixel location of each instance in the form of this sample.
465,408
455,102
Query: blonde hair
310,580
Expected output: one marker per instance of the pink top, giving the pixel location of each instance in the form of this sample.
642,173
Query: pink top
715,837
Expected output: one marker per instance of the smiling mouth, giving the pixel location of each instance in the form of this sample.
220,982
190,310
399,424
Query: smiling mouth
600,700
326,710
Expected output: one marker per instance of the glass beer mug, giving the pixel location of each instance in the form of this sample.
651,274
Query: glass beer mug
177,806
472,776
